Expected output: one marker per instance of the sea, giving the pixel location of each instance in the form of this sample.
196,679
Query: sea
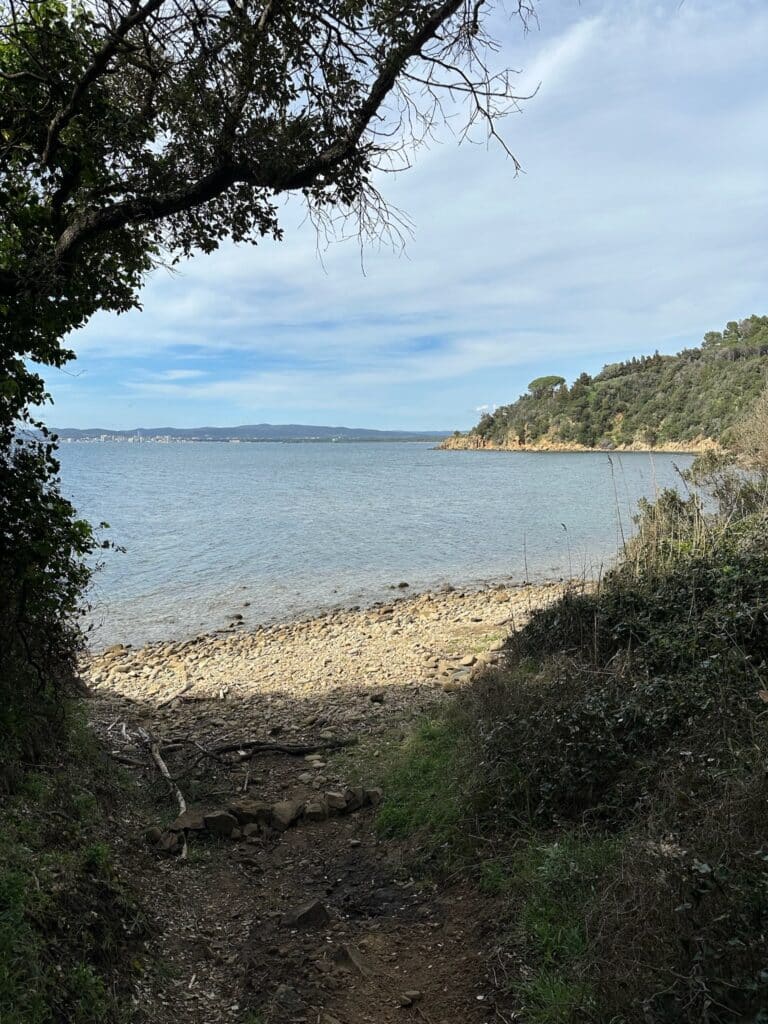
277,531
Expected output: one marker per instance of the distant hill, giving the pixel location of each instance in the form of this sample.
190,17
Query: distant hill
686,401
252,432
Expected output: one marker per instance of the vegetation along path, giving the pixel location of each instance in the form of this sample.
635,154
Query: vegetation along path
274,897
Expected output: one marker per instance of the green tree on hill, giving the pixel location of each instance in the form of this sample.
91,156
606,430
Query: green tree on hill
648,400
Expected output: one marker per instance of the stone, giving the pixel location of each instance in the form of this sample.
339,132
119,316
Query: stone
248,811
355,797
309,915
285,813
221,823
336,802
468,659
451,686
153,835
168,843
373,796
191,821
306,778
252,829
316,810
413,994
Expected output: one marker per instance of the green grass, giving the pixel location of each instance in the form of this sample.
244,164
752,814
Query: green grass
69,927
423,795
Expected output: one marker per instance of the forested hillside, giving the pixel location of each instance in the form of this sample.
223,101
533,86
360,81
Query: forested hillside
650,401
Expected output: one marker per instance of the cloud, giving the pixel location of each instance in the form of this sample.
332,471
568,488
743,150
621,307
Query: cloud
639,222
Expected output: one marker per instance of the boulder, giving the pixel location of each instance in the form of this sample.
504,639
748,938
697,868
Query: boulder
336,802
355,798
316,810
309,915
153,835
221,823
247,811
191,821
285,813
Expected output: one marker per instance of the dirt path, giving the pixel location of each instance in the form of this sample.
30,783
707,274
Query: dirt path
321,922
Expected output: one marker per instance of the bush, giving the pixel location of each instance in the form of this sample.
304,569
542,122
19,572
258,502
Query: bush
43,552
615,767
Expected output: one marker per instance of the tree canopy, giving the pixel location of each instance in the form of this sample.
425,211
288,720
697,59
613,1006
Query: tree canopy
137,130
647,400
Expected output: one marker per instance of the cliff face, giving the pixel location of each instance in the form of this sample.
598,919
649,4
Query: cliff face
474,442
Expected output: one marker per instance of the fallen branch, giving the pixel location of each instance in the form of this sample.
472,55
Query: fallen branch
295,749
154,752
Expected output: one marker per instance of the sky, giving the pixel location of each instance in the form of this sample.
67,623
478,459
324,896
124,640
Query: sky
639,222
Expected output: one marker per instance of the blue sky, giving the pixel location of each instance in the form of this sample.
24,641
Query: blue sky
640,221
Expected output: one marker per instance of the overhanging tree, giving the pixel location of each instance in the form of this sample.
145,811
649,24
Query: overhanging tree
139,131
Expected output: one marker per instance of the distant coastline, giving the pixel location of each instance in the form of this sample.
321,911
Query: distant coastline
245,434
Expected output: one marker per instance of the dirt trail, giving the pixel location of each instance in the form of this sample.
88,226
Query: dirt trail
320,923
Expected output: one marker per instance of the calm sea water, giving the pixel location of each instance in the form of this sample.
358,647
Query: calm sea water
295,528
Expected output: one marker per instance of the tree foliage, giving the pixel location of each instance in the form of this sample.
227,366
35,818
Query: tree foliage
652,400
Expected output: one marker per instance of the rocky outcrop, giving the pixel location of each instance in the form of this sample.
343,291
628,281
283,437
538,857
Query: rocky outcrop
474,442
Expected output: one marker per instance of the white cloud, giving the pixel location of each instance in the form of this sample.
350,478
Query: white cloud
639,223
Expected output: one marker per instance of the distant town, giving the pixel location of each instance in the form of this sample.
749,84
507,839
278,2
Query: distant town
246,434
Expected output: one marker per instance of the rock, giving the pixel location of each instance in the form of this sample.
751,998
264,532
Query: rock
248,811
306,778
355,797
413,994
469,659
377,697
451,686
168,843
309,915
336,802
153,835
316,810
221,823
192,821
373,796
251,829
402,585
285,813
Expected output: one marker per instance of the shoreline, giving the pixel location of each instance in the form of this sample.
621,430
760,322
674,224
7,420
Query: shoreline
237,621
472,443
439,640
